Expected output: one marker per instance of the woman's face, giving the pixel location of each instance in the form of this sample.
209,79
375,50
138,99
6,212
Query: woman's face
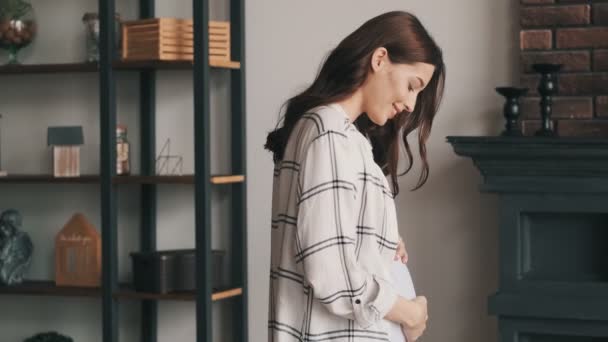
391,88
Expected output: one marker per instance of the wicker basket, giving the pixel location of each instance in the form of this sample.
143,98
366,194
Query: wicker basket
169,39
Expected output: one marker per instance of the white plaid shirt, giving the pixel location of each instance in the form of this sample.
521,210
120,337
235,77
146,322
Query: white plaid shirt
334,235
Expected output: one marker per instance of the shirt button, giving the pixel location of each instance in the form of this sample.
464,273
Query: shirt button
358,301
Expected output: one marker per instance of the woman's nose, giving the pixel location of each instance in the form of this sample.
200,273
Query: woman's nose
410,104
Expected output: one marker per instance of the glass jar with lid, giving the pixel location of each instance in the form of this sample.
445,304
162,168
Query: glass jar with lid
91,23
123,151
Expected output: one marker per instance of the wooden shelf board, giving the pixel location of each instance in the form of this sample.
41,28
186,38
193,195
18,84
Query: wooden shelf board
127,293
220,295
227,179
49,289
133,179
183,179
180,64
48,68
137,65
56,68
225,64
32,178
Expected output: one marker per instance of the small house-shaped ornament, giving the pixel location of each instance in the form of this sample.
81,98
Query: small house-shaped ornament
65,142
78,254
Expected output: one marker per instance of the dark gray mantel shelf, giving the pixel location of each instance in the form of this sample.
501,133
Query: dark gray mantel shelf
535,164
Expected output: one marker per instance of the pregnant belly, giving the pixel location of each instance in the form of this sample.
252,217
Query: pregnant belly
405,287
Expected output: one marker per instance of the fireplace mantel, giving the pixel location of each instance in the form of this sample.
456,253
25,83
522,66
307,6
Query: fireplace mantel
553,234
535,164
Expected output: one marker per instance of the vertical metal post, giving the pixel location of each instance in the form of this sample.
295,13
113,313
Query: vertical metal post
107,115
147,117
202,190
239,156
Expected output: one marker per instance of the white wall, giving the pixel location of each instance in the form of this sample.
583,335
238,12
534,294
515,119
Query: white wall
449,228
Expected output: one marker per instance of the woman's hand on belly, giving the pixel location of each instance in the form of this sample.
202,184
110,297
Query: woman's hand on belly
415,328
401,253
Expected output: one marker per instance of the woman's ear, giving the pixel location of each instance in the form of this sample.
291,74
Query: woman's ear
379,59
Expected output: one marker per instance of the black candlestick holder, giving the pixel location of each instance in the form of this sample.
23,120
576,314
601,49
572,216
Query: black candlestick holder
511,109
547,87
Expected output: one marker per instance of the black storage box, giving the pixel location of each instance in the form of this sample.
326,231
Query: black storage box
172,270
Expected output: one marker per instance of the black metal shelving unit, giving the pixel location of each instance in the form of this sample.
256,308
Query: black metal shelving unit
111,292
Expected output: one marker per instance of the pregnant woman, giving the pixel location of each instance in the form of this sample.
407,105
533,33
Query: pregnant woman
334,236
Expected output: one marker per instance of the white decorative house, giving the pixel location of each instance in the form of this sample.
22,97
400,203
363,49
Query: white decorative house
65,142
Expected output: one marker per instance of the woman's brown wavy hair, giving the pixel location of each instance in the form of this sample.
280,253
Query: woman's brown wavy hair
345,70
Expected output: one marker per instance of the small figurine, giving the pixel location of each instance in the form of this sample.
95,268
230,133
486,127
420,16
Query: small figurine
65,142
16,249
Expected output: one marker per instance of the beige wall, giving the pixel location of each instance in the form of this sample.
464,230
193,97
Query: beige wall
448,226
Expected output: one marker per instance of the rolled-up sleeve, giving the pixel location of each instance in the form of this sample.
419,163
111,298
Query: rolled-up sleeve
328,209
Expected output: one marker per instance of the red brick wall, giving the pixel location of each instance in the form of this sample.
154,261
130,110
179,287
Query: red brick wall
575,34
